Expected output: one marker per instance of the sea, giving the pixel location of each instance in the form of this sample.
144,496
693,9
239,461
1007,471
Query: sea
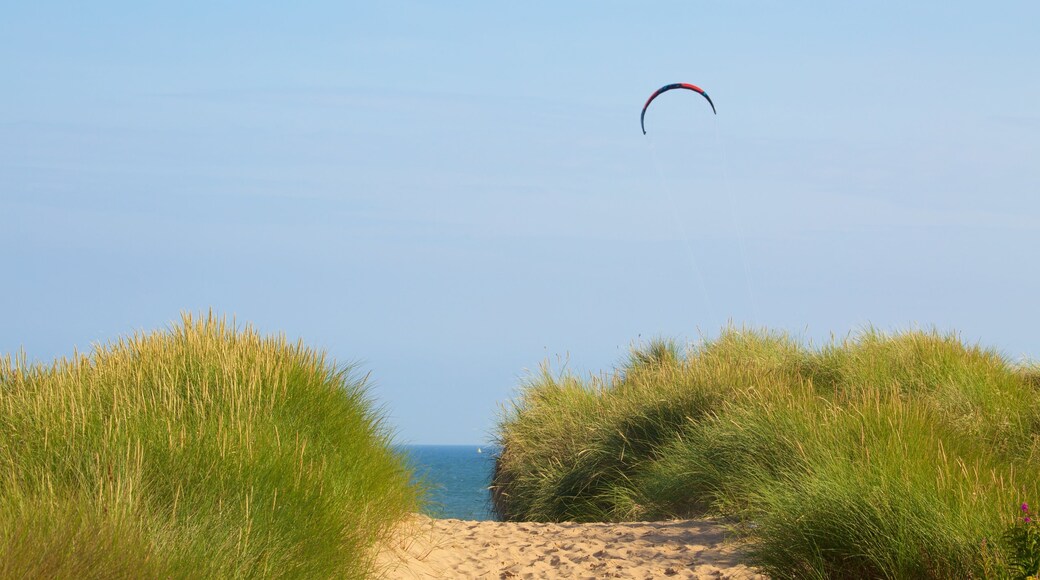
457,477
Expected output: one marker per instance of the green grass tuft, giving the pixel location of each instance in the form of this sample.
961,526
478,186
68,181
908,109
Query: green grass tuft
201,451
897,456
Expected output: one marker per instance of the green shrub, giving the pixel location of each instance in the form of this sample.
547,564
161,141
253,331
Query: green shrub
1023,543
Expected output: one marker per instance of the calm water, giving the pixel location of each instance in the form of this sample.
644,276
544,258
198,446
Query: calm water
458,477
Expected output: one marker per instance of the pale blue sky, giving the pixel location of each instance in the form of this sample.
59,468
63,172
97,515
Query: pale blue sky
452,192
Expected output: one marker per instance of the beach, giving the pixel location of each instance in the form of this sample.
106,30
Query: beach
427,548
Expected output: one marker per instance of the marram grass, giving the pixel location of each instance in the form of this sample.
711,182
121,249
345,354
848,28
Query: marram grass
889,456
202,451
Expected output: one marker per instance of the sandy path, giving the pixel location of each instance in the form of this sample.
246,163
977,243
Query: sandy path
430,548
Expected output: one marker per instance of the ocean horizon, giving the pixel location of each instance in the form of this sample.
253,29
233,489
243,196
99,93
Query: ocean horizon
457,477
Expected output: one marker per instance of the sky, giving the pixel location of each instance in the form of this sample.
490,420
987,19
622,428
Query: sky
449,194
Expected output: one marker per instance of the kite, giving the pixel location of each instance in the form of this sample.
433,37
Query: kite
666,88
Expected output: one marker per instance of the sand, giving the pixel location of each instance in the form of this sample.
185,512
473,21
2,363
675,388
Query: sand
428,548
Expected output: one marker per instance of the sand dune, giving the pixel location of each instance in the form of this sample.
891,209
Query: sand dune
430,548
